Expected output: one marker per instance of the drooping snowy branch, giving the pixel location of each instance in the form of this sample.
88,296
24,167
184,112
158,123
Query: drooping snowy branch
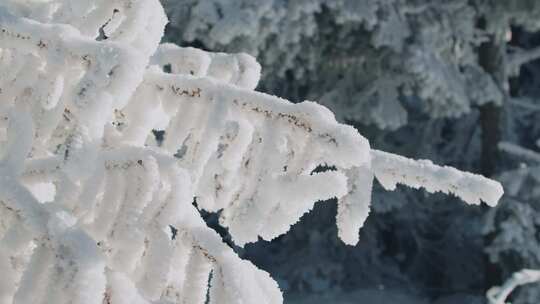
242,145
254,122
79,105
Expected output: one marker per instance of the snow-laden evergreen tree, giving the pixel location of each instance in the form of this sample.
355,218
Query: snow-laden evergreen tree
378,56
95,209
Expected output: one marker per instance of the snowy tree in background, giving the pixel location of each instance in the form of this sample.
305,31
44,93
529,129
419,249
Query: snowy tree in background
378,56
94,208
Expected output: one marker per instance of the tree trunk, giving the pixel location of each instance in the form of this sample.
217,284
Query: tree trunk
491,57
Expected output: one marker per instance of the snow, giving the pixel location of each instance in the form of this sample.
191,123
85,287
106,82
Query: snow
81,99
472,188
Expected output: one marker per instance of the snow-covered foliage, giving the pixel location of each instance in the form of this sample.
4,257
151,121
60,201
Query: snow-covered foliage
513,226
380,58
95,209
498,294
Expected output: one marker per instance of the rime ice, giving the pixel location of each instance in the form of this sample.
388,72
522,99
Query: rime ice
84,85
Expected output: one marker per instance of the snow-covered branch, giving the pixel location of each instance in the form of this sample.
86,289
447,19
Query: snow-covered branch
499,294
519,57
94,210
519,152
391,170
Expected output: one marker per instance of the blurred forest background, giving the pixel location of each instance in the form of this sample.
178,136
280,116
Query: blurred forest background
455,81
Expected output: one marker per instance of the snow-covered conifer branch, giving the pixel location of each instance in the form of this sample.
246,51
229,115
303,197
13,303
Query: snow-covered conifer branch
239,69
80,98
391,169
246,116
